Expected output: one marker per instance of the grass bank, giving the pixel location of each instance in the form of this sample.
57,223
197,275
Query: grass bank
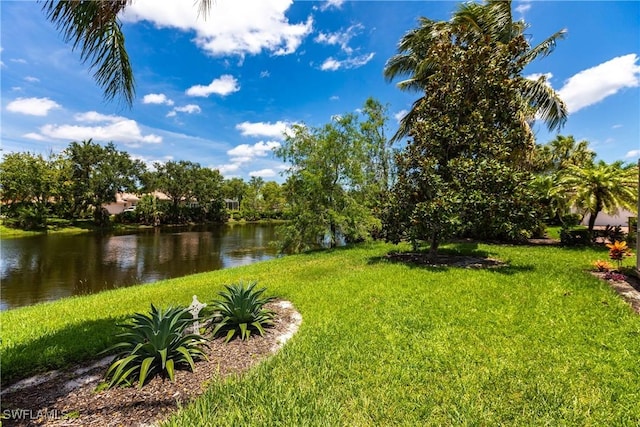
60,226
540,341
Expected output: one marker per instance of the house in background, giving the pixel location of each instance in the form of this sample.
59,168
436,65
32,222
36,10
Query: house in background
123,201
127,200
603,219
232,204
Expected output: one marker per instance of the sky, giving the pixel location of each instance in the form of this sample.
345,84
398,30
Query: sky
222,91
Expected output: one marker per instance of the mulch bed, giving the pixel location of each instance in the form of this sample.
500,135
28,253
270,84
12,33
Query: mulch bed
55,403
422,259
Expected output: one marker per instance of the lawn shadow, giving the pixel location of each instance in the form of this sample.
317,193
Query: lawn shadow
461,255
79,342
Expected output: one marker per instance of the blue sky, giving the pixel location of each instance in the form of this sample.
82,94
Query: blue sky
221,91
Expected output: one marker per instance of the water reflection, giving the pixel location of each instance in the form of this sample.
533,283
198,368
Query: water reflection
46,268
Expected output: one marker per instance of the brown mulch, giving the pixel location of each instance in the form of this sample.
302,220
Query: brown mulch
628,289
422,259
52,403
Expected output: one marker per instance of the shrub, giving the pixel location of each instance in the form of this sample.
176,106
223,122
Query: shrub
155,343
602,266
616,277
612,234
575,237
30,217
571,220
241,310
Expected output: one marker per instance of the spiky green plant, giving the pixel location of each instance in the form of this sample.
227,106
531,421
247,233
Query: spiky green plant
241,310
155,343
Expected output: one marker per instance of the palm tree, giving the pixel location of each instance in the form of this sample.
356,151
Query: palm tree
601,187
490,23
562,152
93,27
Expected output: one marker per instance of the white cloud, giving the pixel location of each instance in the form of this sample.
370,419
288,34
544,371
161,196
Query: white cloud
263,173
156,98
334,98
19,60
592,85
95,117
244,153
222,86
265,74
340,38
110,128
331,64
16,88
189,109
268,129
632,154
225,169
31,79
233,27
36,136
400,114
32,106
617,126
536,76
331,3
523,7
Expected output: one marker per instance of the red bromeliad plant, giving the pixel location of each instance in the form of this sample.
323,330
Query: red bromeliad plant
618,251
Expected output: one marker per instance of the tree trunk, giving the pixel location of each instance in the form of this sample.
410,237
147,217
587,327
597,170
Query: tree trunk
433,249
592,220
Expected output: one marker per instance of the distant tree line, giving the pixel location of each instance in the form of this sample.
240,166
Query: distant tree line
79,181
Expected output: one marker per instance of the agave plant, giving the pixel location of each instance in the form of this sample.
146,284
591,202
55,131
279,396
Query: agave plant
155,343
241,310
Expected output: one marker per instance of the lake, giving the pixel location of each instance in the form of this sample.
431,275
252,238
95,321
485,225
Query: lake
50,267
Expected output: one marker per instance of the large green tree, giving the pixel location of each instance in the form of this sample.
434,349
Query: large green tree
251,204
490,23
93,27
28,183
462,171
601,187
324,185
234,189
195,192
97,174
26,178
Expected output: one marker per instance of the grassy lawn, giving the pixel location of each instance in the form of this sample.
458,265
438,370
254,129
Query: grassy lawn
62,226
540,342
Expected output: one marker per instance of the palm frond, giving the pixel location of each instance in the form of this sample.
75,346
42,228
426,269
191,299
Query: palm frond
545,102
94,28
204,7
407,122
544,48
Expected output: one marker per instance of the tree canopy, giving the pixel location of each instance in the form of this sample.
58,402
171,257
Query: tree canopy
473,24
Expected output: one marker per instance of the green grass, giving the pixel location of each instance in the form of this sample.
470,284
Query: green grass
540,342
63,226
